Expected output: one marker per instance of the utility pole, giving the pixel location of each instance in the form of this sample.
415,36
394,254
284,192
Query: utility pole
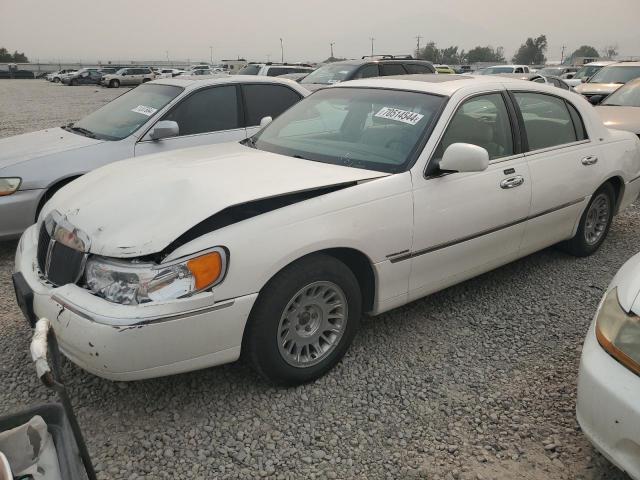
211,54
418,37
562,55
332,44
372,40
281,51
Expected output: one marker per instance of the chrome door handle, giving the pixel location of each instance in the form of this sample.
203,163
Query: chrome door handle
590,160
512,182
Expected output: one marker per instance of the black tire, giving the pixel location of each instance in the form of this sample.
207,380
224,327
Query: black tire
260,344
579,245
145,80
56,80
114,83
73,83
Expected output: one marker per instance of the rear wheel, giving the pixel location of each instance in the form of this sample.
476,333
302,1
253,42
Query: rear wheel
56,80
145,80
594,224
303,321
114,83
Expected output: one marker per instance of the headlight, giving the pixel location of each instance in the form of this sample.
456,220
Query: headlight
619,332
130,282
9,185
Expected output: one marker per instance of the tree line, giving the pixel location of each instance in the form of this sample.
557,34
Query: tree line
531,52
16,57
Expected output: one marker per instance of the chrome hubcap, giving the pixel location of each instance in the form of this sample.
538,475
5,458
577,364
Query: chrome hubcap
312,324
597,219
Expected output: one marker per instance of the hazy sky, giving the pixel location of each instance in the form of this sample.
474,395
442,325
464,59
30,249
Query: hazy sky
92,30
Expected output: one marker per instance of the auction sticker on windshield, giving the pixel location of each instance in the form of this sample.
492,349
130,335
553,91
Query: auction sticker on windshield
148,111
404,116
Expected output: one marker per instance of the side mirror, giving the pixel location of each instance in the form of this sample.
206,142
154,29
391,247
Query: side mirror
596,99
464,157
164,129
264,121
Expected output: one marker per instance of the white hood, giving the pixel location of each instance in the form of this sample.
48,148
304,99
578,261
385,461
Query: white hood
37,144
139,206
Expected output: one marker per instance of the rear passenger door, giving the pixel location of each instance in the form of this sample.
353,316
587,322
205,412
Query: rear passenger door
209,115
265,100
563,163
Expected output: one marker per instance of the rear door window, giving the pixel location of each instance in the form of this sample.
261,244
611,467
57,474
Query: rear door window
266,101
547,121
417,68
367,71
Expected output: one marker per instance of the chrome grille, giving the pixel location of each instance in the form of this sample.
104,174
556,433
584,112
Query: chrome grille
62,251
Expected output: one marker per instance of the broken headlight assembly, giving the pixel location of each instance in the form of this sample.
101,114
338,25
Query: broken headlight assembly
131,282
618,332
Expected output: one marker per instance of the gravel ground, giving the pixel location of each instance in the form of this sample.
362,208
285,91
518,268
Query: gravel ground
475,382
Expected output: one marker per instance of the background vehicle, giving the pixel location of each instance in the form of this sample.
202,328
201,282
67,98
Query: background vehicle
609,378
128,76
56,76
350,192
621,109
273,69
562,71
84,76
294,76
445,69
364,68
586,71
608,79
169,72
538,78
504,69
155,117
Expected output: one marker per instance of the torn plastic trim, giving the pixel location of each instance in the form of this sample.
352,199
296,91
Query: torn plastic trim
244,211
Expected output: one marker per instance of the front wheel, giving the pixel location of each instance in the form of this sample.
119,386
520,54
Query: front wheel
594,224
56,80
303,321
114,83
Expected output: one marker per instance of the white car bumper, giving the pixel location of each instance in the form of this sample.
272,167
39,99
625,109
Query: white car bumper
121,342
608,407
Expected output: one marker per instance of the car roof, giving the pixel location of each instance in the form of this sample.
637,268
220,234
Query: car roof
442,84
624,64
362,61
217,79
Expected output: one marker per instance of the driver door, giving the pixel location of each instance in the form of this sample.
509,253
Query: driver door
469,223
207,116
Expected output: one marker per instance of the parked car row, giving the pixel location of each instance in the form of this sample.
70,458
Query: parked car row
317,208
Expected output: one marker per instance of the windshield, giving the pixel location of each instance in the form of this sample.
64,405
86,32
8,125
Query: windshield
330,74
627,96
617,74
554,72
249,70
366,128
586,72
492,70
124,115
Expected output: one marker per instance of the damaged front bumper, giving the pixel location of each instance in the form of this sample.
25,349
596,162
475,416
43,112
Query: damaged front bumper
132,342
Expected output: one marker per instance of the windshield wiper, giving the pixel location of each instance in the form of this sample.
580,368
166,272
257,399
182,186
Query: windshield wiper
83,131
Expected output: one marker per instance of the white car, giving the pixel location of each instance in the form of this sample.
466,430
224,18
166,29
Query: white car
274,69
155,117
608,408
168,72
362,197
496,69
586,71
56,77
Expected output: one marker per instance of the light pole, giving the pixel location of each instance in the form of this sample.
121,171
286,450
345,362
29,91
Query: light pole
211,55
418,37
281,51
332,44
372,39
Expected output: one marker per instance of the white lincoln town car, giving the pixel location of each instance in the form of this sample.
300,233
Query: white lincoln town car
609,382
360,198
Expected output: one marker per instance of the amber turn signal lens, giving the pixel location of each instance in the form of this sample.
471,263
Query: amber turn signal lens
205,269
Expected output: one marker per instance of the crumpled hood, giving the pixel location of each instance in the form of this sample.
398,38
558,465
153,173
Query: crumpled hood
620,118
139,206
37,144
